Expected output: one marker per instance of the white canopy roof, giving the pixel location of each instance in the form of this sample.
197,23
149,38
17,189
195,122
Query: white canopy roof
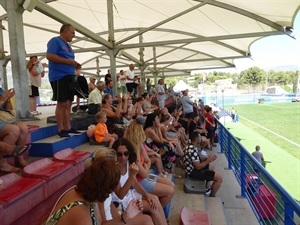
181,86
167,37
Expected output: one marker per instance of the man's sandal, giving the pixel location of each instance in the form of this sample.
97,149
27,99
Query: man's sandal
18,150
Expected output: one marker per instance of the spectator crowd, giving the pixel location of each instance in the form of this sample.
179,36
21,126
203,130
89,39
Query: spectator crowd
147,134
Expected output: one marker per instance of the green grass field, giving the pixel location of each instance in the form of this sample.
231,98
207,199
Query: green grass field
276,128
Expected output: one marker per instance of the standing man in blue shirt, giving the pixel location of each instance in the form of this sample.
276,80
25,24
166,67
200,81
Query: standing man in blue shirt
61,76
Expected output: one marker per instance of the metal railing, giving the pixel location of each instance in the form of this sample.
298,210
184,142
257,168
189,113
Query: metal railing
271,203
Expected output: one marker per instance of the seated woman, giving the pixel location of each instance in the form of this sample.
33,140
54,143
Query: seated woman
205,143
114,114
147,106
165,121
129,187
155,140
126,118
101,133
156,161
137,110
85,202
15,133
107,209
175,126
154,156
161,187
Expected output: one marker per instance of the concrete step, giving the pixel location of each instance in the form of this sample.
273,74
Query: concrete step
194,186
216,210
181,199
47,147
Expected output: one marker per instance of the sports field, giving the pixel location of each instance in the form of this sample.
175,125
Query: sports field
276,128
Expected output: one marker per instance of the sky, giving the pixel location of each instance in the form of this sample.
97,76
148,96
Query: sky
270,52
274,51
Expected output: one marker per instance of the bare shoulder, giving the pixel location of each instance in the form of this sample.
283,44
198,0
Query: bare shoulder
78,215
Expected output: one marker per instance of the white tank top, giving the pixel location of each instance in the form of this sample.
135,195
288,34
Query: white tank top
131,194
107,203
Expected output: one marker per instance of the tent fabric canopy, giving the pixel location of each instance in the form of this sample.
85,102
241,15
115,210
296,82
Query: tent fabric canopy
181,86
163,38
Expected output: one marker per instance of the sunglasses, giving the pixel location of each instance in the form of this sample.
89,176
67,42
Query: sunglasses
119,154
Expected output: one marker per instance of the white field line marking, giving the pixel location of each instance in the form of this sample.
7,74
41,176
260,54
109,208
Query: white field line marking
294,143
278,107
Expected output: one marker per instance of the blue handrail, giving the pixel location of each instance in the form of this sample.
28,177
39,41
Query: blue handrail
281,206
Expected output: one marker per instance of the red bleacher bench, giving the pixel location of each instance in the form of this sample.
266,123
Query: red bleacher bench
31,128
77,158
19,195
56,174
194,217
70,155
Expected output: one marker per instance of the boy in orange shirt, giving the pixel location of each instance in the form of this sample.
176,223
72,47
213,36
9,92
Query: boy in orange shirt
101,133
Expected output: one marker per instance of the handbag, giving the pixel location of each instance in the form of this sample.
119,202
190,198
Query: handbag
7,116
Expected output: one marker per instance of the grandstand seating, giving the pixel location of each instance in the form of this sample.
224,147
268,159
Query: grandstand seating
54,176
194,186
18,195
45,143
31,129
190,216
215,206
76,158
93,141
28,199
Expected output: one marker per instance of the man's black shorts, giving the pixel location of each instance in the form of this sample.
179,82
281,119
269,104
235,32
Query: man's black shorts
130,87
63,89
207,175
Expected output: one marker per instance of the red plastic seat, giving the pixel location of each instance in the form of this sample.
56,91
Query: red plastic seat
56,174
194,217
70,155
77,158
14,186
44,168
19,194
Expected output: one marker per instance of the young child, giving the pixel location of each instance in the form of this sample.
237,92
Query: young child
101,133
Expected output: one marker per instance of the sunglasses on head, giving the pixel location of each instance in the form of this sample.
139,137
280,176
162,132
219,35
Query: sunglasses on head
119,154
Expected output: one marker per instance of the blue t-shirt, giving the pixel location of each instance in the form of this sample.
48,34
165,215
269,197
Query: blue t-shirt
108,91
61,48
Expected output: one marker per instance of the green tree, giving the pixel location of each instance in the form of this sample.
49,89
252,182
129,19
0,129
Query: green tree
252,76
270,78
281,78
293,79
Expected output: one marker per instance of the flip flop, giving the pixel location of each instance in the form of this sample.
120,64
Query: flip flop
18,150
